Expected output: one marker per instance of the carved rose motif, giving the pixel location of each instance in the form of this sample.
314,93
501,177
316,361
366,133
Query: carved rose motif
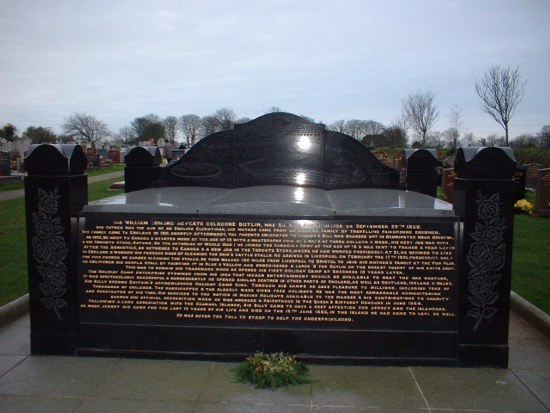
478,286
488,208
486,256
49,251
48,201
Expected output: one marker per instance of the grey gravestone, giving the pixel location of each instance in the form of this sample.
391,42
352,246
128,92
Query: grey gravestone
104,153
543,193
531,174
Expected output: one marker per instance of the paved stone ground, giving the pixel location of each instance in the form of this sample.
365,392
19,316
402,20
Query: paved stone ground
82,384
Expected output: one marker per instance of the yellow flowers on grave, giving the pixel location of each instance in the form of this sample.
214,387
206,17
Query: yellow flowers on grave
523,206
272,370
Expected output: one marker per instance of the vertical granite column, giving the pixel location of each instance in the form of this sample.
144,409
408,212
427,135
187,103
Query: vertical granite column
484,199
143,168
421,171
56,189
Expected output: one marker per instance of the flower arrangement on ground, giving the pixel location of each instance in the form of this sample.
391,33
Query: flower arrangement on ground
523,206
272,370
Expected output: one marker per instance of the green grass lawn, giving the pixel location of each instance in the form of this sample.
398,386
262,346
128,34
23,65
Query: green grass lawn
13,265
13,242
531,260
530,273
10,186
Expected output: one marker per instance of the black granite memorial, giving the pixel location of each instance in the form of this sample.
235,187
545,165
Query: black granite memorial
520,179
275,236
421,172
55,192
279,149
143,168
5,164
484,199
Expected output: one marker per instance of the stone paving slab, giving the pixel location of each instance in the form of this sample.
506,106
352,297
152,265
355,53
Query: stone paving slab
85,384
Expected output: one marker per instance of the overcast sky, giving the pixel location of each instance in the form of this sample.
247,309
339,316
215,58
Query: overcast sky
329,60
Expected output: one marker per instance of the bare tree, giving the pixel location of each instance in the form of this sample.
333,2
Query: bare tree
190,126
501,91
527,140
125,135
492,140
226,118
420,112
468,139
434,140
356,128
452,135
338,126
210,125
86,128
373,128
171,128
544,137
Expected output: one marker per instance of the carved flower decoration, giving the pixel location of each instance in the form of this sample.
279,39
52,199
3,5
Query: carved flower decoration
48,200
486,257
50,250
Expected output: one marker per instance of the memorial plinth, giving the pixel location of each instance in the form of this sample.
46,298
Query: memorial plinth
278,235
352,275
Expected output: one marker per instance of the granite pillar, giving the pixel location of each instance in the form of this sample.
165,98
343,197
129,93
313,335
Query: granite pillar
55,192
484,199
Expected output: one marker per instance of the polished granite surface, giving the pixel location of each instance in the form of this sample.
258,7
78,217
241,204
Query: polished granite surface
281,200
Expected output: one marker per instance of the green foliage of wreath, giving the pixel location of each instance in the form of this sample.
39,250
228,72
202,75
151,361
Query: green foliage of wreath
272,370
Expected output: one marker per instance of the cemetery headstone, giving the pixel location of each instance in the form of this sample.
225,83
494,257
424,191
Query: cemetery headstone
532,173
142,168
5,164
520,181
103,153
448,183
421,171
543,193
114,156
94,161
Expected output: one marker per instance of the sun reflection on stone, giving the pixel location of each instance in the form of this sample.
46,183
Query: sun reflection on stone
304,143
299,194
300,178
